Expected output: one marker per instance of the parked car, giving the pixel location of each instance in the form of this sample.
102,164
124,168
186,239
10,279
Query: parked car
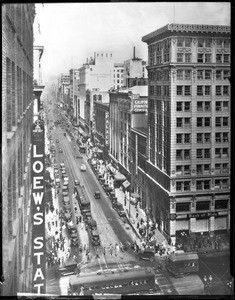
62,165
60,151
83,167
95,237
64,175
65,188
77,182
65,193
147,254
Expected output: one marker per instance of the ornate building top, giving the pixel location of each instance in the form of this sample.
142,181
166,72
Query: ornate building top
193,28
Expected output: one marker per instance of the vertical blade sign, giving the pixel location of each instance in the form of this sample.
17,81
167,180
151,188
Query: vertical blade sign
38,208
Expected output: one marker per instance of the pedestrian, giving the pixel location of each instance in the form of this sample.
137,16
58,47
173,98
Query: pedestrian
111,249
125,201
210,281
137,214
138,225
104,251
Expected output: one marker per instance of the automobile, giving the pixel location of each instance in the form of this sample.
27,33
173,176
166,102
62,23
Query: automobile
65,188
95,237
97,194
68,268
64,175
62,165
119,208
60,151
63,171
83,167
57,141
65,193
147,254
76,182
66,200
57,175
66,183
55,166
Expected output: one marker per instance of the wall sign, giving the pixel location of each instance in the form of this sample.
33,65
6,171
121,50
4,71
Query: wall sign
38,208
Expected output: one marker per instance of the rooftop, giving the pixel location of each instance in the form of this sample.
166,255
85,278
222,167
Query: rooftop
194,28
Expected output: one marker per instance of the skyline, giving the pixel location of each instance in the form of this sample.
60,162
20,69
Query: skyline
78,38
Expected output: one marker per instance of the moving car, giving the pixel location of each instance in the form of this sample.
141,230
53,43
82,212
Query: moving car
97,194
147,254
68,268
83,167
95,237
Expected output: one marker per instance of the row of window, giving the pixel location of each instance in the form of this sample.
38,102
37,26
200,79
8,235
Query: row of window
201,58
202,122
202,90
220,137
203,42
202,169
202,184
117,75
202,153
203,74
201,205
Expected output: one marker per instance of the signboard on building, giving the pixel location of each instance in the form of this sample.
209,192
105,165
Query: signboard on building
106,128
140,105
38,208
194,215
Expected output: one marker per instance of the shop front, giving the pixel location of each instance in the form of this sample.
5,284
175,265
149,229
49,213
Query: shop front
221,223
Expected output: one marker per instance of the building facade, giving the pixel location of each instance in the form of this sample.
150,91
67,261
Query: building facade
118,75
74,93
17,118
127,109
188,158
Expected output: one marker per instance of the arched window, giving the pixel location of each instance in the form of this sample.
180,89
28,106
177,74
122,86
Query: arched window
95,97
99,97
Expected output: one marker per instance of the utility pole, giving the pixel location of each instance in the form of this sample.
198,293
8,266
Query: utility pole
147,214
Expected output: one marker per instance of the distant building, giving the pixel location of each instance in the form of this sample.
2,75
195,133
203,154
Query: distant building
188,149
118,75
74,94
128,108
17,118
135,72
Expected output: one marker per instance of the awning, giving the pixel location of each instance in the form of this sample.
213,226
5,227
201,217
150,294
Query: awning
119,176
126,183
135,195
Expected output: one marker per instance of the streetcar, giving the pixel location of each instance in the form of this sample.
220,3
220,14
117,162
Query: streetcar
113,282
180,264
82,199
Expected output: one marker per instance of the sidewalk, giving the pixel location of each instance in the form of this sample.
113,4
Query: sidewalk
134,218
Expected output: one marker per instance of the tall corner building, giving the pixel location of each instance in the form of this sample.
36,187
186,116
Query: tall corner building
17,118
188,151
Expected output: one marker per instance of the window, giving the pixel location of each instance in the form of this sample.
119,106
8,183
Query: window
225,121
207,74
187,106
179,74
221,204
199,184
179,106
218,122
179,90
219,43
226,58
225,152
187,186
187,57
226,43
186,154
207,122
207,186
199,153
179,138
225,137
207,138
208,42
187,74
226,75
180,57
182,206
218,137
207,58
218,106
180,42
186,170
200,43
200,58
225,168
207,90
200,75
179,122
207,168
199,137
225,90
188,42
207,153
199,90
218,74
199,106
178,170
187,122
207,106
199,122
217,153
219,58
199,169
179,154
218,90
187,90
179,185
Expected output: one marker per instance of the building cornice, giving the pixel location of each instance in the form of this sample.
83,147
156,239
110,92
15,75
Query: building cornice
193,28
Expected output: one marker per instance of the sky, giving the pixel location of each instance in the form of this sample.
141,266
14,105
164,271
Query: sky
72,32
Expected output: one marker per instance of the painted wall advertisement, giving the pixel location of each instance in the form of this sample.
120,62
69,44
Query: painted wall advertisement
38,209
140,104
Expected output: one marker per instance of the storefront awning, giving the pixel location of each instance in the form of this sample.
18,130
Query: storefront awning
135,195
126,183
119,176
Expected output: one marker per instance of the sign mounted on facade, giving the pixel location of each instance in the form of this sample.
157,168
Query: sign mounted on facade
38,208
140,105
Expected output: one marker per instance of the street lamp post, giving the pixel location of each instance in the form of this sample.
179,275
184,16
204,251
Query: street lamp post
147,214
